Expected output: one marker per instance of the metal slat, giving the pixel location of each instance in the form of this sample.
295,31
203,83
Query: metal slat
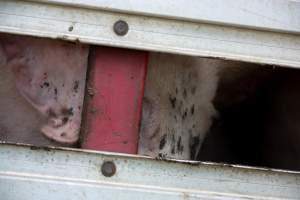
28,172
94,26
117,78
276,15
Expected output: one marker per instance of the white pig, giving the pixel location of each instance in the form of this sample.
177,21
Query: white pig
177,106
50,75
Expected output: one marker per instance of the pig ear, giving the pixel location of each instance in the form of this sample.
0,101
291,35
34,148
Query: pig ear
25,83
11,45
29,93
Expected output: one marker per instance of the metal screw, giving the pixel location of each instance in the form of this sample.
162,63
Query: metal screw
121,28
108,168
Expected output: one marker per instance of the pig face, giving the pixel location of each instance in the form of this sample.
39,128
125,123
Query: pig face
50,75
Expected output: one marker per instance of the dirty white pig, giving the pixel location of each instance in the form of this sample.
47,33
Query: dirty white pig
177,105
42,80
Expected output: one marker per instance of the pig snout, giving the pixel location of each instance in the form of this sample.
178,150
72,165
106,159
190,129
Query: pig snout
67,133
63,127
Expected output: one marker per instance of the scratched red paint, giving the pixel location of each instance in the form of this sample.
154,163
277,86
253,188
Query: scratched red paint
116,81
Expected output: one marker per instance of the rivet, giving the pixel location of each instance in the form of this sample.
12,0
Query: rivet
108,168
121,27
71,28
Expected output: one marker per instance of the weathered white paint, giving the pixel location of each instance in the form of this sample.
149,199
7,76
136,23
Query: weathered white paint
175,35
35,173
276,15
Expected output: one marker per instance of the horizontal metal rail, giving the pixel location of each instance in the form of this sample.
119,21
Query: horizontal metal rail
28,172
254,31
273,15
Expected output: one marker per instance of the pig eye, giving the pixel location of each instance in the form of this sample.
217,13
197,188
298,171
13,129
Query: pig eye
66,111
51,113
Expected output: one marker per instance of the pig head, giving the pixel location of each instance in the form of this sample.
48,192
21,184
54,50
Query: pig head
50,75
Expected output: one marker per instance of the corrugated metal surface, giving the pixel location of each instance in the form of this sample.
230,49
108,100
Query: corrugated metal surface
168,33
28,172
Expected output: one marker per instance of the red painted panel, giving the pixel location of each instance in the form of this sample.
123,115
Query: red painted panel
115,90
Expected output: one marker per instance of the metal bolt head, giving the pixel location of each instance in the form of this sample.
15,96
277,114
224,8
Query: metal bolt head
108,168
121,28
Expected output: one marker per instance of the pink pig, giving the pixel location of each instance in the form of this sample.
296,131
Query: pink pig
50,75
